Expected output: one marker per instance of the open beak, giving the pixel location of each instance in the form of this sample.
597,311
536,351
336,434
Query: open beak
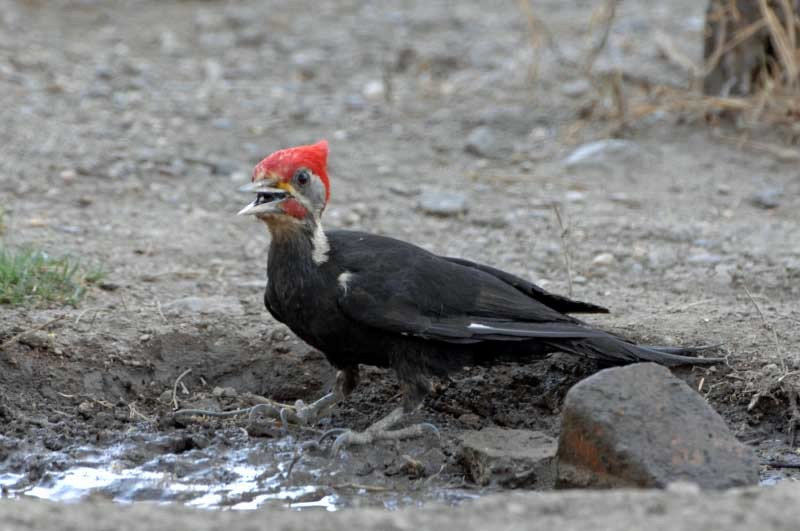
268,197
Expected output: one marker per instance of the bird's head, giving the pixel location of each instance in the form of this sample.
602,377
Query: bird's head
291,185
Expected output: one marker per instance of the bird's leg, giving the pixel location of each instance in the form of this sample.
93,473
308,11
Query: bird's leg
381,430
346,381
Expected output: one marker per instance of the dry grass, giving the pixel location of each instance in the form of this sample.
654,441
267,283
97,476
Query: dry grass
774,101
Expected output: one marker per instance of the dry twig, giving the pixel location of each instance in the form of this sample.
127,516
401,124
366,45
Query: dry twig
19,336
175,389
564,246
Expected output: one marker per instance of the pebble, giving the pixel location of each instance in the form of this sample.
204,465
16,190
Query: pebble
374,90
573,196
483,141
723,274
224,392
604,259
443,203
576,88
606,154
222,123
767,198
704,259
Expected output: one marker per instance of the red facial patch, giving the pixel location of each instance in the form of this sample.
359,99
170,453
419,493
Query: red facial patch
294,208
287,161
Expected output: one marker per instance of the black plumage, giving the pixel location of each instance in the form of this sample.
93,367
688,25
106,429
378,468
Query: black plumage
384,302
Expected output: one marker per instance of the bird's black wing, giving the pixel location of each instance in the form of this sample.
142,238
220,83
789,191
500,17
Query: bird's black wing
556,302
398,287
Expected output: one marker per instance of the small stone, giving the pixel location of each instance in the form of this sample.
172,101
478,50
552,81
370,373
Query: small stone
221,123
639,426
624,199
573,196
253,36
510,458
224,392
223,305
68,175
704,259
38,339
471,420
484,142
604,259
86,410
723,274
661,258
354,102
768,198
576,88
145,338
374,90
443,203
606,155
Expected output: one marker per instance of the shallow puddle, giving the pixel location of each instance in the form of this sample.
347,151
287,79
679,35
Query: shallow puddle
241,476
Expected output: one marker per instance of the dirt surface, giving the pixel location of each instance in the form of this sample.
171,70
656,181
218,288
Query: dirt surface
128,127
677,509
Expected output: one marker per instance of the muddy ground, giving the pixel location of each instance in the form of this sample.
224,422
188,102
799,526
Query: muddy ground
128,127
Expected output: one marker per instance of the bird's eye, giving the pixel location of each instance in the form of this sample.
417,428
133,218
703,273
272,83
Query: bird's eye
303,177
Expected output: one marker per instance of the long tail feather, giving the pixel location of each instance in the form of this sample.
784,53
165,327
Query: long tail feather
618,352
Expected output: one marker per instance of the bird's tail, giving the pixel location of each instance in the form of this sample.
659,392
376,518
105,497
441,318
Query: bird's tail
616,351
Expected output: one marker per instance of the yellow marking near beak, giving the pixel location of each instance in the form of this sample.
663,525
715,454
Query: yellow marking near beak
286,186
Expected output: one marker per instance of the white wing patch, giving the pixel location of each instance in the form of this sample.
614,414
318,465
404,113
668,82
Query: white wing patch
343,279
320,246
478,326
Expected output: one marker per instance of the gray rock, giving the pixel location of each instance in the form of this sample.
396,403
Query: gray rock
661,258
225,305
514,119
604,259
255,36
443,203
639,426
511,458
222,123
483,141
704,259
606,155
767,198
576,88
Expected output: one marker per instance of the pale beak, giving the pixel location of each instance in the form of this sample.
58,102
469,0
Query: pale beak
268,197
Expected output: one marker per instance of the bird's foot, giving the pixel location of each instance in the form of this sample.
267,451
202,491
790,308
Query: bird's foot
380,431
307,414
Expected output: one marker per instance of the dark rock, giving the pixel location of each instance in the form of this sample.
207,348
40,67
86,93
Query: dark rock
510,458
639,426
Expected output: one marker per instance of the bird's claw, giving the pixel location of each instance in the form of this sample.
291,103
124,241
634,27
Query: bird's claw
371,435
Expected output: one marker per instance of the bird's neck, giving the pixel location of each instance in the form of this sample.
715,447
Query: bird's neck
298,243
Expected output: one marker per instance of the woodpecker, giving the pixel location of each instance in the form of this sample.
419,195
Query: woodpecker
364,299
